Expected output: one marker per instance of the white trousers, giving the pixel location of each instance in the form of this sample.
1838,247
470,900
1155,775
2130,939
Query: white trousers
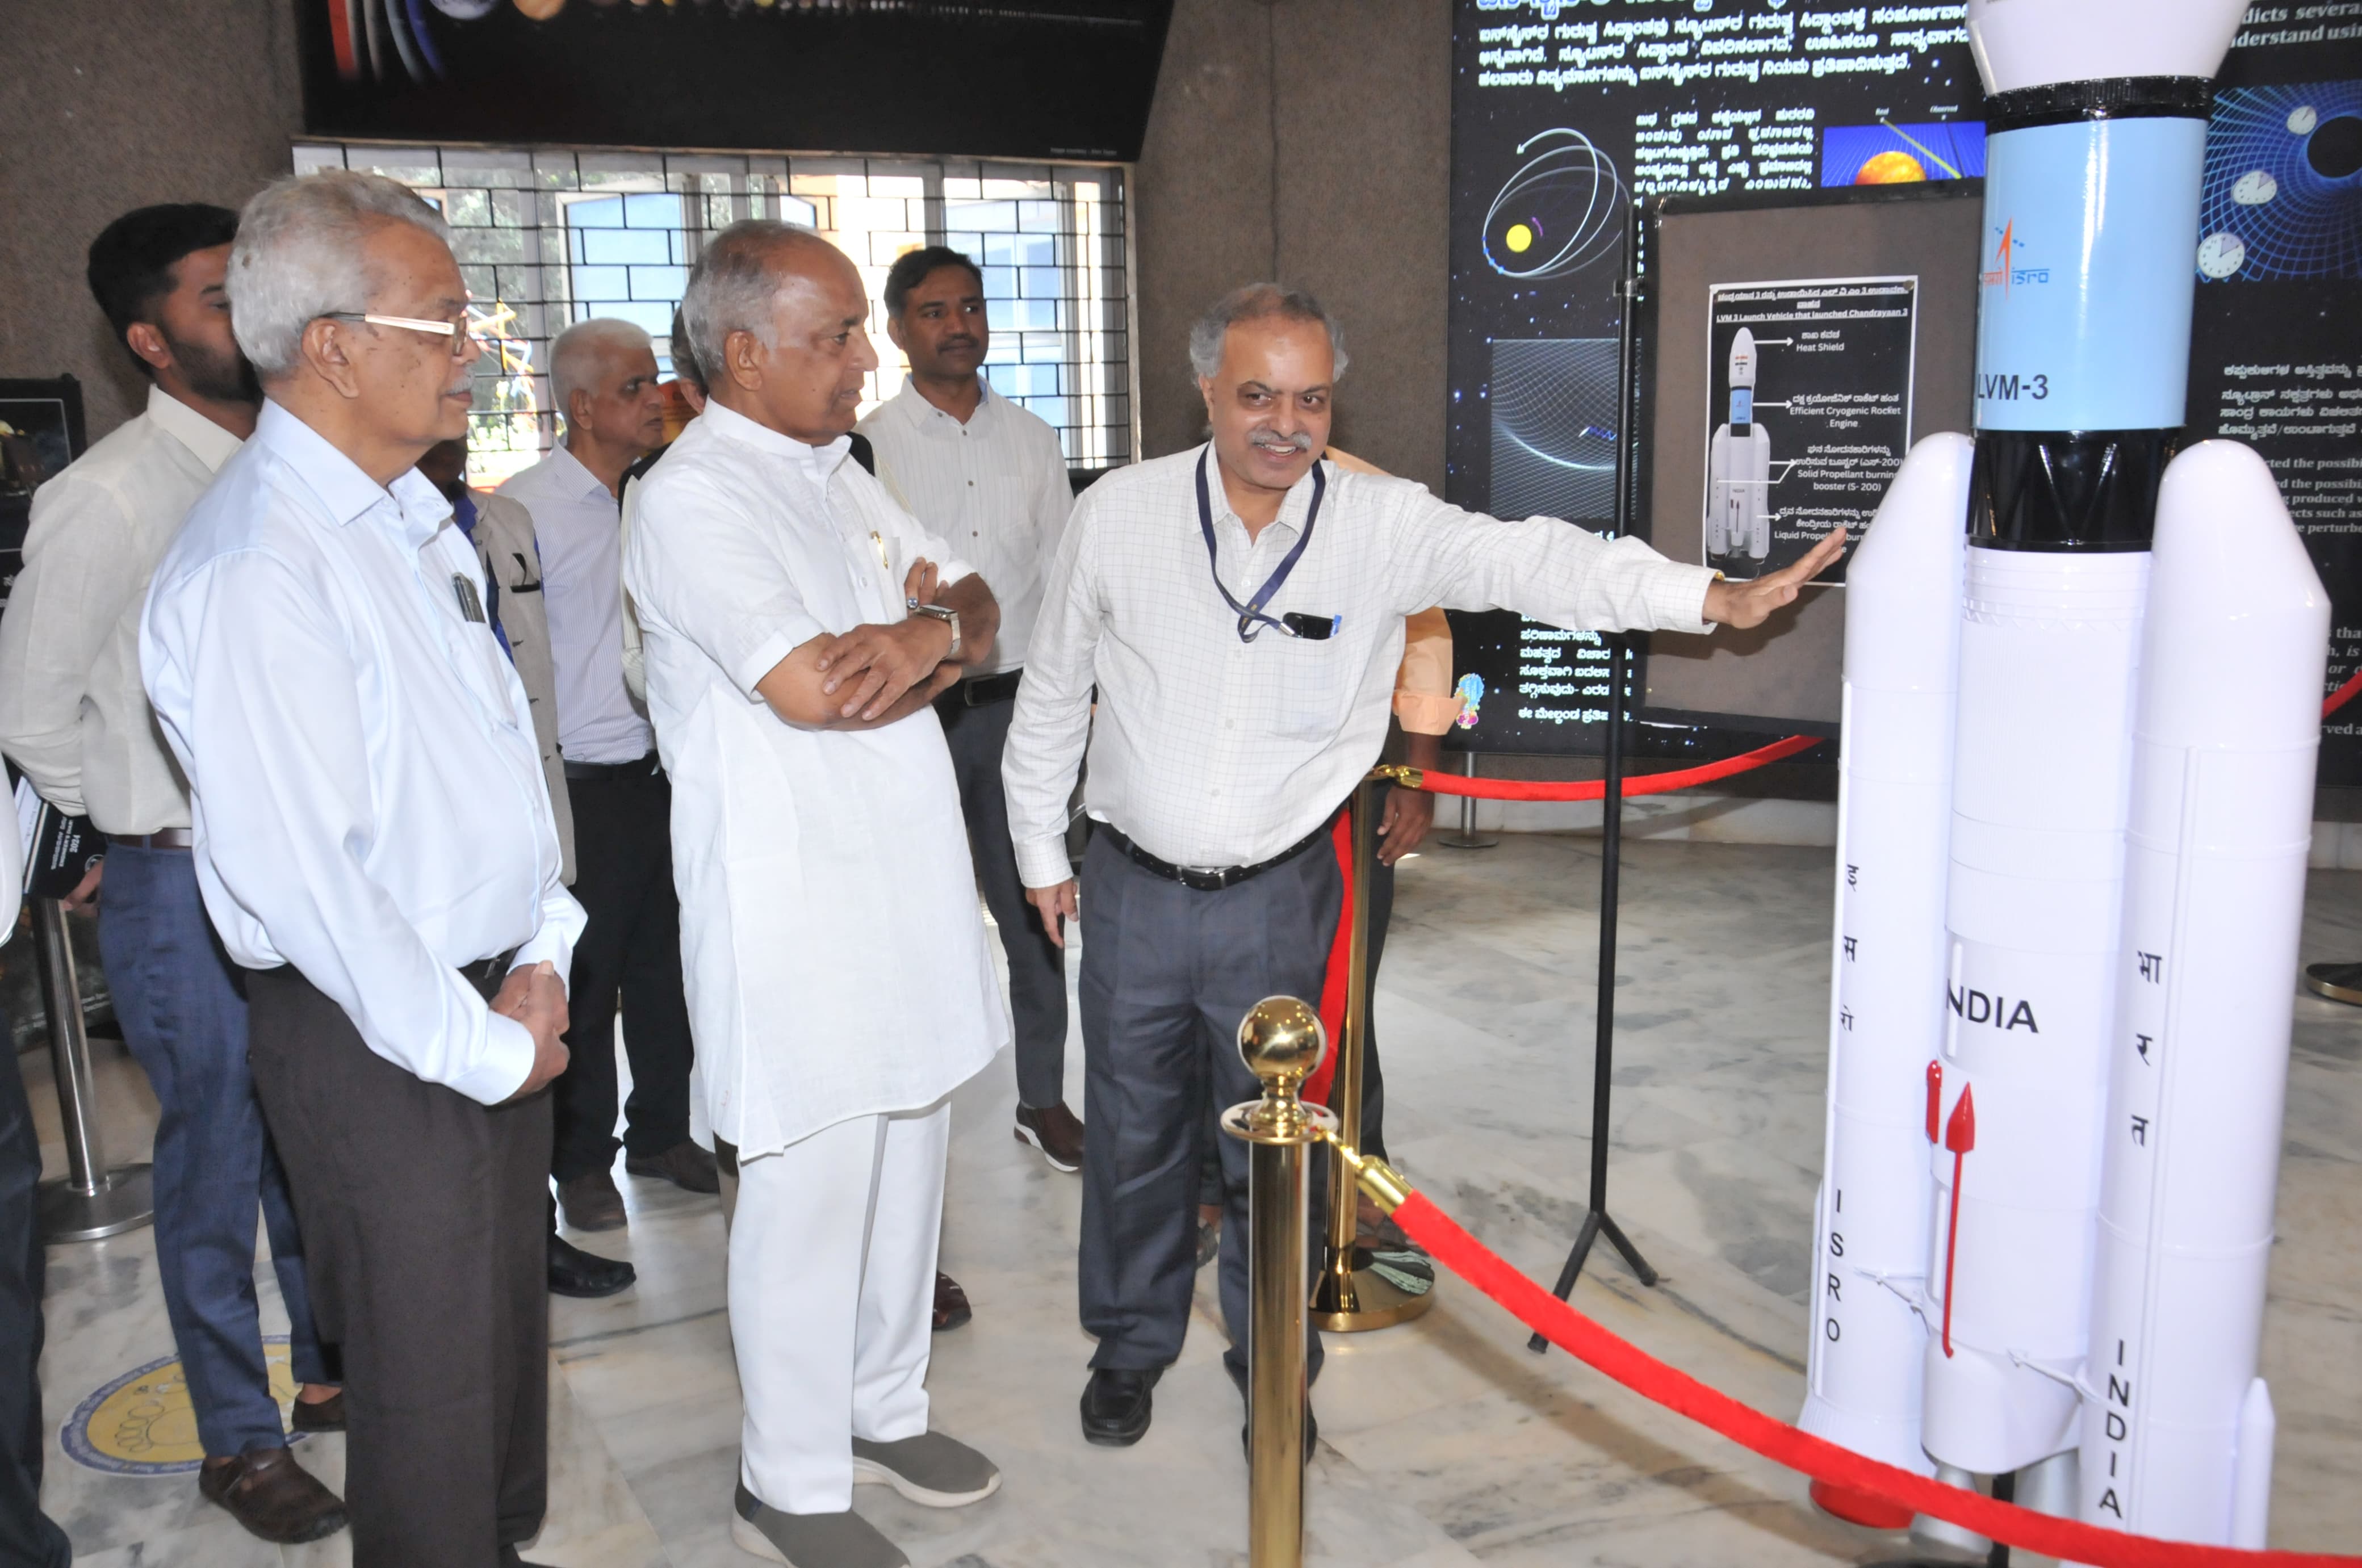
832,1300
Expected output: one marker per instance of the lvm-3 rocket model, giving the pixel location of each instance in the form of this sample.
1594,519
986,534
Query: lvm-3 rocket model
1739,474
2076,799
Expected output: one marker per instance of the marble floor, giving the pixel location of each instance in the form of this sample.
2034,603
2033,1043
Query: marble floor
1443,1442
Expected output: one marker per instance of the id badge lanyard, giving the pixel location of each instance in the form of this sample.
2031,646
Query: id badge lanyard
1252,618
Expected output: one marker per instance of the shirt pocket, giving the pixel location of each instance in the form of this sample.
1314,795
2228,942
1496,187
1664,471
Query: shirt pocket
1315,685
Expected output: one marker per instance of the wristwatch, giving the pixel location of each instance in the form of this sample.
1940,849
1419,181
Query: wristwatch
948,617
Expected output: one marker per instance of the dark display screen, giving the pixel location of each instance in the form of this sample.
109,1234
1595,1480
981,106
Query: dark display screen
945,78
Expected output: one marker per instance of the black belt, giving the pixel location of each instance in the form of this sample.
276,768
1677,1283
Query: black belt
983,690
485,974
1215,879
638,767
162,838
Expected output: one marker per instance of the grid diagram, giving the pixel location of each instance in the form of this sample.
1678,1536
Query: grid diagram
2282,198
546,239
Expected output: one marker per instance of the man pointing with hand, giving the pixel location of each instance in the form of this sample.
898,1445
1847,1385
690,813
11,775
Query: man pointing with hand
1239,608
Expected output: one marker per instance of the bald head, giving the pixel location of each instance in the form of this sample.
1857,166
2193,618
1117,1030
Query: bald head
775,316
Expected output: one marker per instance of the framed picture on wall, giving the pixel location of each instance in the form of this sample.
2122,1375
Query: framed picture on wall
40,432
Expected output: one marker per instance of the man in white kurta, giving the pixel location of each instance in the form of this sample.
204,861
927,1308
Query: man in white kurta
839,982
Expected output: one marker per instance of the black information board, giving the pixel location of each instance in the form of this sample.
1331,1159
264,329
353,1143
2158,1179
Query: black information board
1563,115
942,78
40,432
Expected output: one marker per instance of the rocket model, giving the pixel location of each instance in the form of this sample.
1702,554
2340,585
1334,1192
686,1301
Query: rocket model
1739,474
2076,802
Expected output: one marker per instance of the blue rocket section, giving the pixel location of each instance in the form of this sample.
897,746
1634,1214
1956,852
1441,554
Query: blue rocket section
2083,312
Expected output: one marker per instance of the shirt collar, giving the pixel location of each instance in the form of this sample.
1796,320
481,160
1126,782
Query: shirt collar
926,418
1291,510
338,482
212,445
567,475
819,462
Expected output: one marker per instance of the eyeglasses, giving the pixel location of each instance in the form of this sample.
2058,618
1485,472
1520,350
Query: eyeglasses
457,331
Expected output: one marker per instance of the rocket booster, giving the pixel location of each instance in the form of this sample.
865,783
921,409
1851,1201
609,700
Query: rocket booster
2140,643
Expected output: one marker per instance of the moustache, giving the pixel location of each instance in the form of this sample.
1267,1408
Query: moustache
1273,441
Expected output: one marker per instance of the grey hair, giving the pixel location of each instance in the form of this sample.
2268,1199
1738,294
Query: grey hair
1258,302
730,288
574,356
298,256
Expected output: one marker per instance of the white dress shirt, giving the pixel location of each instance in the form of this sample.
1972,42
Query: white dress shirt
72,713
369,799
995,486
836,961
580,529
1211,752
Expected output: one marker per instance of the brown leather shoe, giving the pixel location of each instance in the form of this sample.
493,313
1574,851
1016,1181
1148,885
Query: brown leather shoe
592,1202
327,1416
951,1303
1056,1132
274,1497
684,1165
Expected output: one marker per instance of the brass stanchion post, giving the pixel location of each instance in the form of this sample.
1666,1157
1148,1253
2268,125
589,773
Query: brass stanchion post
1280,1040
1356,1290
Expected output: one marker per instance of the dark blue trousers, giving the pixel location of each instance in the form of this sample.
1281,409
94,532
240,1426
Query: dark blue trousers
1167,973
27,1539
178,998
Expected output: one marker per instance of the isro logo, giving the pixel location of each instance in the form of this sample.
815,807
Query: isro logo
2006,273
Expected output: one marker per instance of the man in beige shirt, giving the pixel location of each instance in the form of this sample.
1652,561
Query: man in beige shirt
74,718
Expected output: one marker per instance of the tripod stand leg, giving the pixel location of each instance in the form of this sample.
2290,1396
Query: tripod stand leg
1623,1244
1574,1270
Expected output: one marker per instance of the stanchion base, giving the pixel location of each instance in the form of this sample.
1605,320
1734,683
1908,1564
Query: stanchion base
1388,1288
2338,982
1457,840
125,1200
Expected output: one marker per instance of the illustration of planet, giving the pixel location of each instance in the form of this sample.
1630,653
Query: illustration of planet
2335,148
2220,255
1558,211
2301,119
1891,168
2255,188
467,10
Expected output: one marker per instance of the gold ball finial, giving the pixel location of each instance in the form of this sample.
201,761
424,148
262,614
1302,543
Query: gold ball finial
1281,1041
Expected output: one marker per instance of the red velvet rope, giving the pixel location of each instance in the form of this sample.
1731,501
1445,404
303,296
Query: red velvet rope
1594,788
2343,695
2068,1539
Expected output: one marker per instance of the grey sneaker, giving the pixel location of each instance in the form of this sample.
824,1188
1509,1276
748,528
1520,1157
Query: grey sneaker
811,1541
931,1469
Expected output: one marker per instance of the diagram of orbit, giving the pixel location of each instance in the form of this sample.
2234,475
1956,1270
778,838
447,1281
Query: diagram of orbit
1560,212
2282,197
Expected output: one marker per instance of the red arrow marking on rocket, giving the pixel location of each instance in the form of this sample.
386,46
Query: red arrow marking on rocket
1959,1136
1935,1102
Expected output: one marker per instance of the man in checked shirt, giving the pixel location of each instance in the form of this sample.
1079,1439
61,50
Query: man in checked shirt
1240,608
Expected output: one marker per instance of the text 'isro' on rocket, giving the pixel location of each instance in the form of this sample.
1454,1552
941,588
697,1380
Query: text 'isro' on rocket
2090,630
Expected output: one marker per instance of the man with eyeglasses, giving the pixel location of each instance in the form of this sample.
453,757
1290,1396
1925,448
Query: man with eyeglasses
74,718
375,846
1240,608
603,374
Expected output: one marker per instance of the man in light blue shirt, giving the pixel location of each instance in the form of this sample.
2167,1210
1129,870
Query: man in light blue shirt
374,846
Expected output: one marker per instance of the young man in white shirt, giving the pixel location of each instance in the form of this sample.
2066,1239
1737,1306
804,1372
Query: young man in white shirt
74,717
989,478
798,625
1238,610
375,846
604,375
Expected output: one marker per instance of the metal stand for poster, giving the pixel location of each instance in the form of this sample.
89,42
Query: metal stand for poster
1596,1221
1467,837
93,1200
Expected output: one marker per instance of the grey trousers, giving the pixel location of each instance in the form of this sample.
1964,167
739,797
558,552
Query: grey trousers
1167,974
1037,967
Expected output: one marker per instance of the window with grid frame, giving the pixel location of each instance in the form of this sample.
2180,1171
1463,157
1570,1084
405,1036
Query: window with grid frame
548,238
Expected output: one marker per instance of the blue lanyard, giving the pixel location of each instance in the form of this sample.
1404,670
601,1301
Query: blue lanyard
1252,619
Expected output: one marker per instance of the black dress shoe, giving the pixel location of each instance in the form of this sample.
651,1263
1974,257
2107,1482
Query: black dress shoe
573,1272
1116,1405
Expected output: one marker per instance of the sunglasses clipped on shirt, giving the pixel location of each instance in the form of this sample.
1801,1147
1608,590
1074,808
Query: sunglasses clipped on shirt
454,330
